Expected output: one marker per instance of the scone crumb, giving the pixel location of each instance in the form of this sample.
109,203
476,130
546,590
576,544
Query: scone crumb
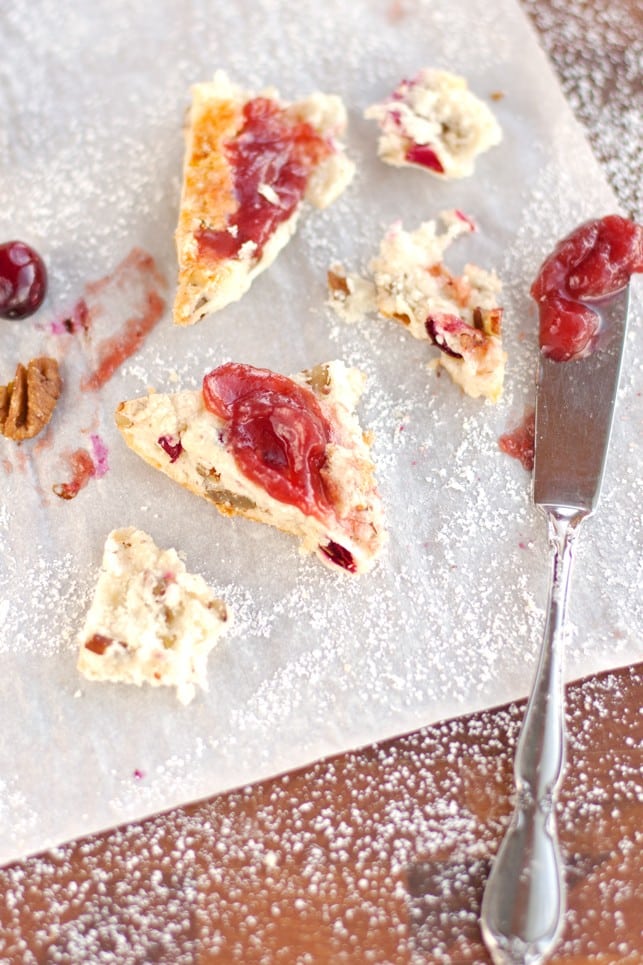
409,283
150,620
436,123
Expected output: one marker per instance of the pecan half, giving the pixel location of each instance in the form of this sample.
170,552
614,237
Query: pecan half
27,403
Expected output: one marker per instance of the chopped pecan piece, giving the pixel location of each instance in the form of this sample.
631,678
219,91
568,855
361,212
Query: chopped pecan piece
27,403
100,643
318,378
337,281
401,317
488,320
228,502
219,608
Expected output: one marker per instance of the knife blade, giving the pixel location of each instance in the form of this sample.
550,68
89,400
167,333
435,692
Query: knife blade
575,404
524,901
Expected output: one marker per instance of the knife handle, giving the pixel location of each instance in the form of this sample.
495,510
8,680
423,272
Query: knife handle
524,901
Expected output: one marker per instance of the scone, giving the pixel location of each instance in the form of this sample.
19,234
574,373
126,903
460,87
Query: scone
150,620
285,451
250,163
409,283
434,122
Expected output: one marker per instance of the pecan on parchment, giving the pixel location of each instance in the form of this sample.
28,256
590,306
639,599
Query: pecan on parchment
27,403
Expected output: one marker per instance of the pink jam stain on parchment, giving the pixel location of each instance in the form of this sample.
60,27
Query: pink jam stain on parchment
396,11
84,467
519,442
105,326
101,453
135,286
77,320
137,276
82,470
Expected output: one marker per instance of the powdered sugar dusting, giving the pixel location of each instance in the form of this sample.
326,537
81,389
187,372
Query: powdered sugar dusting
599,65
317,662
54,588
373,854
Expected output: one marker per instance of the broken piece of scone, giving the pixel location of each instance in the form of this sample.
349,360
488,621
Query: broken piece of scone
436,123
251,161
284,451
150,620
409,283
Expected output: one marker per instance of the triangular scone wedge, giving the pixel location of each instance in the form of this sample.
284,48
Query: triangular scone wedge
250,163
150,620
182,437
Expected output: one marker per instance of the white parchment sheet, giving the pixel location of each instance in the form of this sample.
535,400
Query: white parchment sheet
92,101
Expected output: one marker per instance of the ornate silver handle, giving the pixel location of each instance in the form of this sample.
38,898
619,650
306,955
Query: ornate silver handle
524,900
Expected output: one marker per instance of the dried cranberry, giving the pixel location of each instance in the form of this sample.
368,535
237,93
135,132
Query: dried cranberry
276,430
465,217
339,555
23,280
173,449
425,156
435,327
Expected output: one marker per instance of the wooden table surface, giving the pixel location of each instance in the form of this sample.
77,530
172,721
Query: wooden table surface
374,856
379,855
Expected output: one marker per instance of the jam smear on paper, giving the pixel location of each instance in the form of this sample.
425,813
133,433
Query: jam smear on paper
82,470
138,270
272,158
101,452
75,321
105,325
519,442
276,431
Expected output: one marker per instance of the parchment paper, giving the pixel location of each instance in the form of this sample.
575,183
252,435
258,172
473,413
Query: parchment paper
92,102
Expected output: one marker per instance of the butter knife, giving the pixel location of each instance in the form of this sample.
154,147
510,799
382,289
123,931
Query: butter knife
523,906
